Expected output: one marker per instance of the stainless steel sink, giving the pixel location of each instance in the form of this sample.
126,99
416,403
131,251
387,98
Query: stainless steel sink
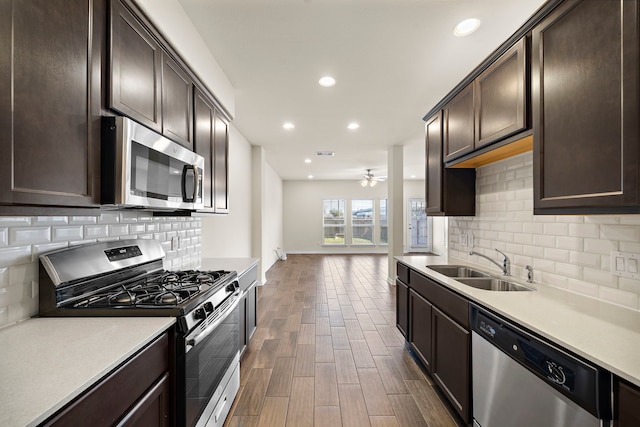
457,271
493,284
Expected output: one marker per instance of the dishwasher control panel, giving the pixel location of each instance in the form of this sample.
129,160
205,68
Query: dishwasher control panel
575,378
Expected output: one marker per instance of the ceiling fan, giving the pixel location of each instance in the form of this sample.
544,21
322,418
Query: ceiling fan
370,180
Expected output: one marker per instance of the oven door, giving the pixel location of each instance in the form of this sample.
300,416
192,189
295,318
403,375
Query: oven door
211,360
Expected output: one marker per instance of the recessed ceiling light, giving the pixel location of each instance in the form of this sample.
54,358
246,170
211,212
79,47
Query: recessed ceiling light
353,126
327,81
466,27
288,126
310,177
307,160
413,176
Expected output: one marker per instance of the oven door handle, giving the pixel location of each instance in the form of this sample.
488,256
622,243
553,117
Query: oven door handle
192,342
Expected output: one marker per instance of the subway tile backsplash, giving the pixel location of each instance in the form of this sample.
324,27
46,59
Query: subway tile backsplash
22,239
568,251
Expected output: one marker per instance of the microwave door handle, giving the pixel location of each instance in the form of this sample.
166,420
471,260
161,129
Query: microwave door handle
191,198
185,168
192,342
196,183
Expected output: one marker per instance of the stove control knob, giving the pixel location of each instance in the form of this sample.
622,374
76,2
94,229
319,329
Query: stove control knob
208,307
200,314
231,287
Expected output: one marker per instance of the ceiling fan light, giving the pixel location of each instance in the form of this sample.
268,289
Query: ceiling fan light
363,182
373,183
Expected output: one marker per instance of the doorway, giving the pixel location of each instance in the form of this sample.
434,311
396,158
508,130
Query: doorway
419,232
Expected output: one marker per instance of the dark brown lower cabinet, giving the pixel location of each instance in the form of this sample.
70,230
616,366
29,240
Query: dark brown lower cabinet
248,317
252,311
452,362
402,308
138,393
248,281
627,404
152,408
439,335
420,330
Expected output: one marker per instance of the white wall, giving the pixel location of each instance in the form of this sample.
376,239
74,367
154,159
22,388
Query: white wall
303,201
229,236
273,232
569,252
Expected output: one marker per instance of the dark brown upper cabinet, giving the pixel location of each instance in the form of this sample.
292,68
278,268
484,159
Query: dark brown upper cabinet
449,192
221,164
459,124
212,142
435,168
146,83
136,69
51,54
501,97
204,116
177,90
490,108
585,75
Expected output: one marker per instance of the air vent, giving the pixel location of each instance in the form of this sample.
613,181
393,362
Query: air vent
325,153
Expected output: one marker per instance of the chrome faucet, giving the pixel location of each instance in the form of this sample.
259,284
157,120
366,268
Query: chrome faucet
506,262
529,273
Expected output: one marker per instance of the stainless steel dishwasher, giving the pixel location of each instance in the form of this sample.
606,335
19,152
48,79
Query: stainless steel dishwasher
521,380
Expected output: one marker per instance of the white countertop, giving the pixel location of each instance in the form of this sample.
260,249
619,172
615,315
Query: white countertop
47,362
603,333
239,265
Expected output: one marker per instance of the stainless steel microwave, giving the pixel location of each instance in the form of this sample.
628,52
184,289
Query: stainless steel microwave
143,169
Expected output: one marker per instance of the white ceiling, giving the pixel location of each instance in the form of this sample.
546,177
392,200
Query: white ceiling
393,61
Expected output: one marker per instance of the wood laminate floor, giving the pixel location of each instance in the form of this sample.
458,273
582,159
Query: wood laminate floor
327,352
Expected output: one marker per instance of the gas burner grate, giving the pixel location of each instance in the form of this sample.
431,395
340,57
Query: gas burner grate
160,289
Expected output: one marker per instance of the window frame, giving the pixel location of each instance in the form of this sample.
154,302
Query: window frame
380,222
371,225
343,225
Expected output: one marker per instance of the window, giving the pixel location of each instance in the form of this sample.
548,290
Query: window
334,222
362,222
384,223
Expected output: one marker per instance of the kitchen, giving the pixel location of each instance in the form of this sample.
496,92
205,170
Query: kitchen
569,251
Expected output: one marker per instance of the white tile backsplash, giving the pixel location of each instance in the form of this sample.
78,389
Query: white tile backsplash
568,251
22,239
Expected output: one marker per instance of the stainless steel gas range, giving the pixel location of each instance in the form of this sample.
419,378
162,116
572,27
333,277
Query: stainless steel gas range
126,278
